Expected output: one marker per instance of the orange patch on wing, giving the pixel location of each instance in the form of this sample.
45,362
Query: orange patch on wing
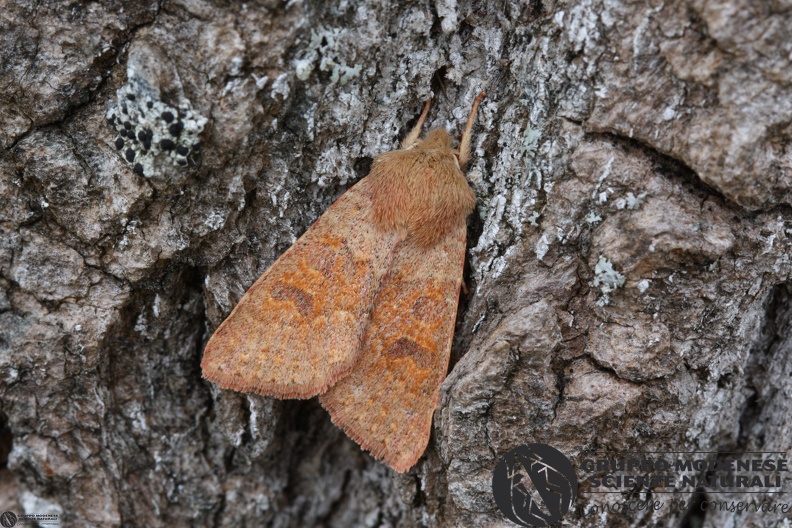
302,300
405,347
425,307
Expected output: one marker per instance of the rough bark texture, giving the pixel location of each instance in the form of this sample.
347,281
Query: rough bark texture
629,270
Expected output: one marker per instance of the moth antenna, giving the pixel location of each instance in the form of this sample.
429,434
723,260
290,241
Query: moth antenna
412,137
464,143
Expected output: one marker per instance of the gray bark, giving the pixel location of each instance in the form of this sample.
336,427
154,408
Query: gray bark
629,270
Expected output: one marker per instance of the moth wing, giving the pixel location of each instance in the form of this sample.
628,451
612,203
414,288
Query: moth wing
300,326
387,401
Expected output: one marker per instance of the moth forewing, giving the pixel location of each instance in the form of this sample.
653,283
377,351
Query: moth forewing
361,309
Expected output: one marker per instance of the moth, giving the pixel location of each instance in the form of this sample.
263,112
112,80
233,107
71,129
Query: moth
361,309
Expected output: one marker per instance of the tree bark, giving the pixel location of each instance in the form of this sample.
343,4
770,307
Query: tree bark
628,260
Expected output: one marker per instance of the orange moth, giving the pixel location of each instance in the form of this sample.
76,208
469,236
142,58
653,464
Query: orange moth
361,309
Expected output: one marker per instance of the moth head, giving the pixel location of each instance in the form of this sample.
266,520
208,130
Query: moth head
436,139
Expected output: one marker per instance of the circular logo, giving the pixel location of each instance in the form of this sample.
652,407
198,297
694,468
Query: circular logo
8,519
534,485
